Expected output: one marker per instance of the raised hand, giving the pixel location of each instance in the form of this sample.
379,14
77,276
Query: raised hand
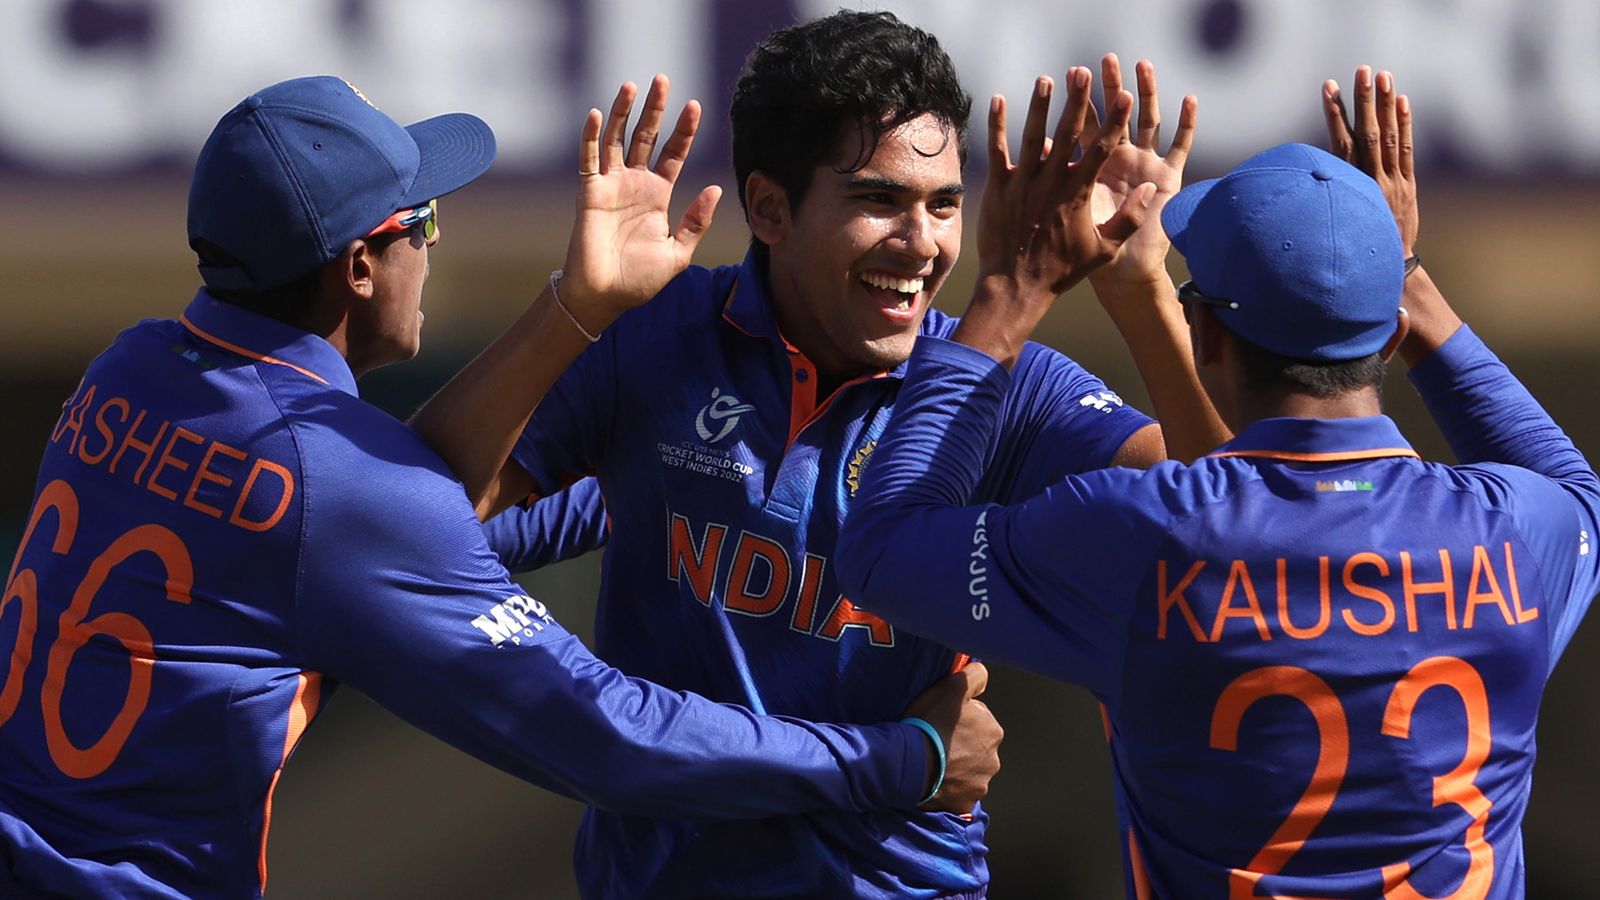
1136,160
624,248
1036,225
971,736
1379,142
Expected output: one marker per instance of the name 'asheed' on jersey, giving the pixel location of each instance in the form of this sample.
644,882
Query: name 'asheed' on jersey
1365,607
233,481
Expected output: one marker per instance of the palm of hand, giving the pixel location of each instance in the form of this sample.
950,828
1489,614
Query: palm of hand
1143,256
623,244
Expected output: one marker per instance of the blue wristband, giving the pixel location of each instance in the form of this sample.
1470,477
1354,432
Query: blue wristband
938,746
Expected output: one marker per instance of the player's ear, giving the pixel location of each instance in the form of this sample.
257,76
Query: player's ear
767,208
1402,327
352,272
1205,334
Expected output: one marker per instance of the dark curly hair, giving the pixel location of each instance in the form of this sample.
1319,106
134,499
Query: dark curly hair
805,87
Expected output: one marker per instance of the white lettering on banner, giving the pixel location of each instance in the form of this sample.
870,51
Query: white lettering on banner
87,104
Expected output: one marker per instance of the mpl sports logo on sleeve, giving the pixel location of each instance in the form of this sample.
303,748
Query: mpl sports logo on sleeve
1104,401
513,619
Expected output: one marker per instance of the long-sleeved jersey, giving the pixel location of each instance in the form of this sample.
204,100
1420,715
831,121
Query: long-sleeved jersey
222,532
1320,657
725,477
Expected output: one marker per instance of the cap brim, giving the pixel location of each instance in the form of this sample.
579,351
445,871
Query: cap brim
1176,214
455,149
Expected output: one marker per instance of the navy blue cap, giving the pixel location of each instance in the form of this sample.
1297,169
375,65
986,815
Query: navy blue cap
1306,247
297,171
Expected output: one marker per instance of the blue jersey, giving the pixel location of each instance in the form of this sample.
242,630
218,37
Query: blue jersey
222,532
1321,658
726,477
555,528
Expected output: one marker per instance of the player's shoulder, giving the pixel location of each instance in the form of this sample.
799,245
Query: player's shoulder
696,296
357,457
1169,489
1504,488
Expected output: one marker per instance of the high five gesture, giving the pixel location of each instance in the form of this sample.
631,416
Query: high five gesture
1037,234
624,247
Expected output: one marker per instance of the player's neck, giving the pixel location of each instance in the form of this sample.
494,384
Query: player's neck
1254,406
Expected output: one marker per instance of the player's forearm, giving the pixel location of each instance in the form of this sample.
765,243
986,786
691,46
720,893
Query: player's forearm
567,721
1487,415
1150,320
1432,321
561,526
913,551
474,421
928,461
1000,318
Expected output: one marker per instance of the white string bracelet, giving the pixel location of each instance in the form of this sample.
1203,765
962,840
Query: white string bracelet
554,278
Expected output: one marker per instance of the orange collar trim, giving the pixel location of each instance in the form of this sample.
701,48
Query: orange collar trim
1337,456
235,348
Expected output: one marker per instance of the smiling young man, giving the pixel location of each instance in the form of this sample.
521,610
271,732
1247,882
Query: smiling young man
730,419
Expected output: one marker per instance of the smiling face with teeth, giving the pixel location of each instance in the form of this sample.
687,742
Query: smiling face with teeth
854,265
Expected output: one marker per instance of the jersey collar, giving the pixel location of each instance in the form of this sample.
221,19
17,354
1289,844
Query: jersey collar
749,308
267,341
1319,440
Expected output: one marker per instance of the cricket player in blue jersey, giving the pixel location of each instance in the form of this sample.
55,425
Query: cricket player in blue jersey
223,532
729,421
1320,657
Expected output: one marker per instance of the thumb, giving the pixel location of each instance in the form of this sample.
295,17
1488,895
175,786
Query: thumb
696,221
1130,215
977,675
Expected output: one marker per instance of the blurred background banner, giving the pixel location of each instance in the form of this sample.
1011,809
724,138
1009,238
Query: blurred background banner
104,103
113,85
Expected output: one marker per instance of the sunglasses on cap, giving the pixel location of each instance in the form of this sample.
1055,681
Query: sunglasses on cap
1188,293
406,219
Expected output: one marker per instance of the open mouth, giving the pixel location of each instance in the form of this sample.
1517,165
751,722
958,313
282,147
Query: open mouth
896,293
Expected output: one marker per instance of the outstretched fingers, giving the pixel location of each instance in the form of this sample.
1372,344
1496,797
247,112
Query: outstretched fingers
648,129
1341,142
1033,129
1183,138
589,144
1388,124
616,125
1369,152
1408,160
1070,130
999,151
1111,85
1119,111
1149,135
676,152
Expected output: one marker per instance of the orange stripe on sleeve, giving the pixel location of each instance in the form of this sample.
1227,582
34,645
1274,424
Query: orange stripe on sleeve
302,709
1141,878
